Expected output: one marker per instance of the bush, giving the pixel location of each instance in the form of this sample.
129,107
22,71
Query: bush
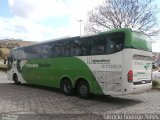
155,83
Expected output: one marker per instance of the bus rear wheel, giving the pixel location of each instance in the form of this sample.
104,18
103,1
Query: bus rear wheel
66,87
15,79
83,90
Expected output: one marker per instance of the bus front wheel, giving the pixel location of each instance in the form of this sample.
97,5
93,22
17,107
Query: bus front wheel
83,90
66,87
15,79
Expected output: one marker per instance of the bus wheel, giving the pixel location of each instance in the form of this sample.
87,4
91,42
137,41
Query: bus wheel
66,87
15,79
83,90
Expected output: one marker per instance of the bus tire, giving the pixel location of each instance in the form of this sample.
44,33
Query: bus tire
83,90
66,87
15,79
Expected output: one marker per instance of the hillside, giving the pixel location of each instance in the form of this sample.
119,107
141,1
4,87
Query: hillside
5,52
12,43
7,44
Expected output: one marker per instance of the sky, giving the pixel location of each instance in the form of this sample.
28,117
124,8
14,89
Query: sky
40,20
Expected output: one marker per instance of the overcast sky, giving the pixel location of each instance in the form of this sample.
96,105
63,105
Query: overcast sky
39,20
42,19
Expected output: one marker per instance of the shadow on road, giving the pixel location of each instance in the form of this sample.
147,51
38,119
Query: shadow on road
118,100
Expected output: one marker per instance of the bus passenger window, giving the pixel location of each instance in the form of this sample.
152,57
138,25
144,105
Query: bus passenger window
75,48
61,49
35,51
97,47
47,50
119,45
110,47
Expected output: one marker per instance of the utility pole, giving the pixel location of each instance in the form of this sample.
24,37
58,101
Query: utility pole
80,22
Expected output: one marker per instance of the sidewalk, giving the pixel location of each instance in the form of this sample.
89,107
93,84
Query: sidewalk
3,77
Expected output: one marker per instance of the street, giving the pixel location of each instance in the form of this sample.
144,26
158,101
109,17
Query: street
34,102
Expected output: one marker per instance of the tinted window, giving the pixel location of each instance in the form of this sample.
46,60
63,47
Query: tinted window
61,48
21,54
15,54
47,50
35,51
85,48
114,42
97,45
26,53
105,44
75,47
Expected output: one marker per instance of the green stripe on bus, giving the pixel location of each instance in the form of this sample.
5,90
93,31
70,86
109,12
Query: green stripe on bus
49,72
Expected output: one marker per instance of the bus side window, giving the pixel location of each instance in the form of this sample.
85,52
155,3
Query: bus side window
84,47
118,47
35,51
47,50
14,55
22,54
119,44
75,48
26,52
57,50
110,46
66,48
98,45
61,49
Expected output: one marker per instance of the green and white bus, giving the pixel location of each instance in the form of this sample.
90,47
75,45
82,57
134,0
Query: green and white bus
116,62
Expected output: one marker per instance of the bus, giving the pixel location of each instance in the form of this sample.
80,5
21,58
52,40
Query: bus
116,62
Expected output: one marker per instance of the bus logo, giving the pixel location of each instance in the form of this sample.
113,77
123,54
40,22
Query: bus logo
91,60
147,66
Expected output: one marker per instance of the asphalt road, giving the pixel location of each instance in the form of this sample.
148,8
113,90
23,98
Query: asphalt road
28,102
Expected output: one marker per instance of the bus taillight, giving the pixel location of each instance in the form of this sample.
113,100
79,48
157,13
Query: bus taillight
130,76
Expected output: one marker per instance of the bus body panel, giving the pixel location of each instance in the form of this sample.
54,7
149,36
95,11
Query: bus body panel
49,72
141,75
107,70
106,74
105,61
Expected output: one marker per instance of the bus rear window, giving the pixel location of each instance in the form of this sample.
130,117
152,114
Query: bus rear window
141,41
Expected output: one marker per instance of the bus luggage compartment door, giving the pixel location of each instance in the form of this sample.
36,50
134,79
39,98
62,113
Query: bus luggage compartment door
109,81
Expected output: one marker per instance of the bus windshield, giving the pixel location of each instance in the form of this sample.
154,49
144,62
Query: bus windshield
141,41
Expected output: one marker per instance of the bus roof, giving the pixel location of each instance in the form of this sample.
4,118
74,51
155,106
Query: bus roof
83,36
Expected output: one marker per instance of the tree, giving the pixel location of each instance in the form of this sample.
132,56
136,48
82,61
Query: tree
135,14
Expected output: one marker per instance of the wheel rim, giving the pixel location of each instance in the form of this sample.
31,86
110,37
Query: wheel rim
67,87
83,90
